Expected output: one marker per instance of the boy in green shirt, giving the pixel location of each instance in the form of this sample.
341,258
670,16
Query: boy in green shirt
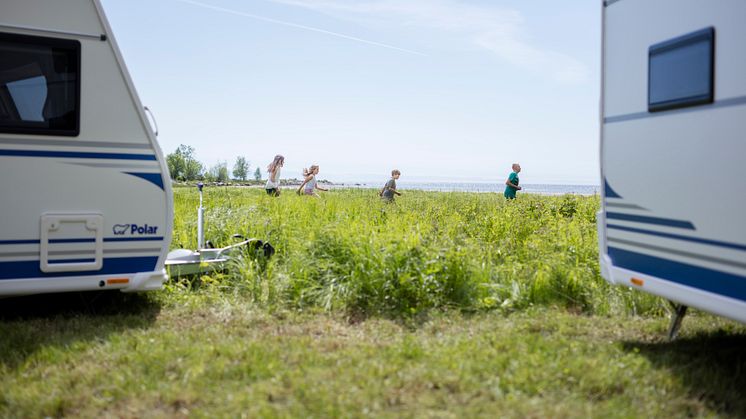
511,185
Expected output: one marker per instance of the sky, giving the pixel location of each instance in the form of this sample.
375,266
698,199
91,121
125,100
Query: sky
443,90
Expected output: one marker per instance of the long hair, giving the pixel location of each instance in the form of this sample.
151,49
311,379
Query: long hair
279,160
310,170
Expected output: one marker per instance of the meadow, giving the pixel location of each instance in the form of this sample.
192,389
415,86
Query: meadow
351,252
441,305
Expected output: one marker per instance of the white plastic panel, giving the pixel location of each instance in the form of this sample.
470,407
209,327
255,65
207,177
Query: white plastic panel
71,242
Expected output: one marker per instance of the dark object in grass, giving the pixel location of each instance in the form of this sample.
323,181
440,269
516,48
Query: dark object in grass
258,247
266,249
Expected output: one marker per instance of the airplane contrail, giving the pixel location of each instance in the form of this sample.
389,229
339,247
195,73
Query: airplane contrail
295,25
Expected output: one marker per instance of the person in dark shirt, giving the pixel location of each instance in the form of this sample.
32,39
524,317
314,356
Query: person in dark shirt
389,189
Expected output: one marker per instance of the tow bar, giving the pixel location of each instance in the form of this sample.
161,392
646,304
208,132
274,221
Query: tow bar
183,262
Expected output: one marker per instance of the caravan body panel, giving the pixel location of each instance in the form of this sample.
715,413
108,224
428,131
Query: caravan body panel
83,208
674,197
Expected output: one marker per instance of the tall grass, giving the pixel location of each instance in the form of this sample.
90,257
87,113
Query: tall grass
351,252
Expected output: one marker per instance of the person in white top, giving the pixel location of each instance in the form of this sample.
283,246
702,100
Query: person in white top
273,182
309,184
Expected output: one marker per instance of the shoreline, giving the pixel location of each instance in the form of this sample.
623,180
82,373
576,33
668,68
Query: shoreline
463,187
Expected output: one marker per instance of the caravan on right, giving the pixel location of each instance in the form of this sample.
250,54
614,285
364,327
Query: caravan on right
673,152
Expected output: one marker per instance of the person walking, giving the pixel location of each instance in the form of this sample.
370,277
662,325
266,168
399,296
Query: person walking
389,189
309,183
273,182
511,185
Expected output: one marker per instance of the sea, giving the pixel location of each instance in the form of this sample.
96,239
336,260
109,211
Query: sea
539,189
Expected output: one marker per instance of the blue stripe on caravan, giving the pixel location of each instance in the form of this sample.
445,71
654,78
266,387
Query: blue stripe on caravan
132,239
19,242
705,279
154,178
608,191
77,155
89,260
89,240
679,237
106,239
650,220
722,103
31,269
53,241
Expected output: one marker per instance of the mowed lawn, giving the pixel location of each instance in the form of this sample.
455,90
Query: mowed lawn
208,356
441,305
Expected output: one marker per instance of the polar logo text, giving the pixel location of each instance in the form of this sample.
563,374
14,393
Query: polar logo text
134,229
144,229
120,229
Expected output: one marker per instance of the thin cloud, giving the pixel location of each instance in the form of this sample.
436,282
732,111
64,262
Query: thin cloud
299,26
498,30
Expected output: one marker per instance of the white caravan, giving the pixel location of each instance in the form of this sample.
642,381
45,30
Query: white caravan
673,144
85,198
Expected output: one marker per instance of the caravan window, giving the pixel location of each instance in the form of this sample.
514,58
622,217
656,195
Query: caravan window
680,71
39,85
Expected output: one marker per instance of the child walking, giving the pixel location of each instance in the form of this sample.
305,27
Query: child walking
309,183
389,189
511,185
273,182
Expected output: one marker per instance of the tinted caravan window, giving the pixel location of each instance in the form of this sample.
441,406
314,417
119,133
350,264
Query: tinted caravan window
39,85
680,71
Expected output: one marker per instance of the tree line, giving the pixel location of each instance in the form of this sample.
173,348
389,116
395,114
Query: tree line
183,166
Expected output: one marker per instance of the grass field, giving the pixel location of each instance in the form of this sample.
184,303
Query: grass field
351,252
442,305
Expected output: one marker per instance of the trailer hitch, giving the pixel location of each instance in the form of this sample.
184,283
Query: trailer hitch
208,258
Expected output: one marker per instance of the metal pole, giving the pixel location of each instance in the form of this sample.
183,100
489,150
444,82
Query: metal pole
679,311
200,220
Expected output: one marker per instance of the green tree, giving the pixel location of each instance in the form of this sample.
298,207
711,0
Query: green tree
258,174
182,165
193,170
223,172
175,162
218,173
241,168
